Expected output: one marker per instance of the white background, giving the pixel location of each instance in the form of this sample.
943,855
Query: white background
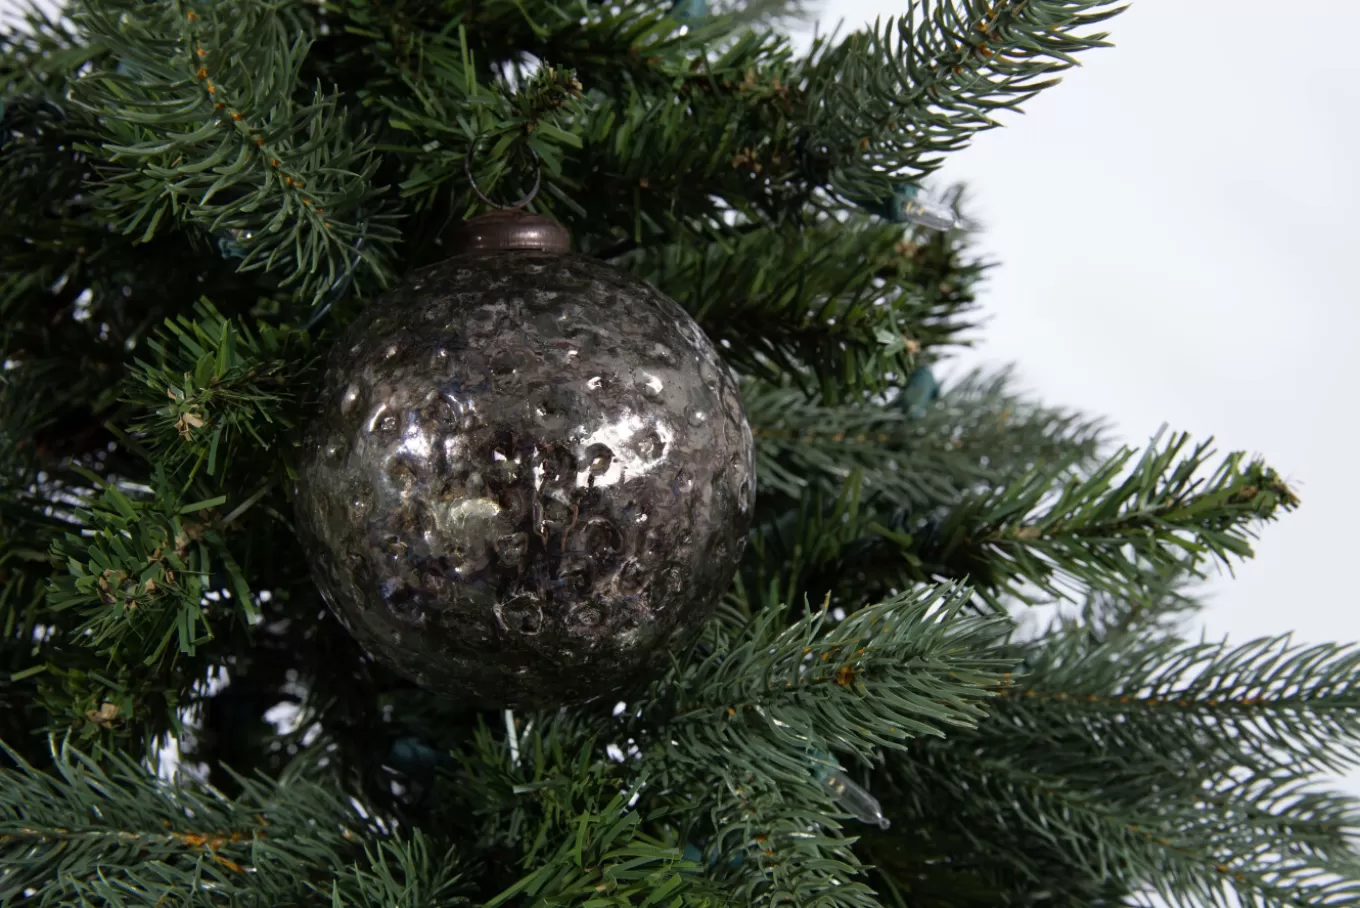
1176,230
1176,227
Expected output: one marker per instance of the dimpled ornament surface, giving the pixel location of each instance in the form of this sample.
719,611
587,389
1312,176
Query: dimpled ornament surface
528,481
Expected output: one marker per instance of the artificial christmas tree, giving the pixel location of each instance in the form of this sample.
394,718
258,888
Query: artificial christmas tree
201,197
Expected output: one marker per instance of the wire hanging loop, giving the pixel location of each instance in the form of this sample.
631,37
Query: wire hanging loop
476,190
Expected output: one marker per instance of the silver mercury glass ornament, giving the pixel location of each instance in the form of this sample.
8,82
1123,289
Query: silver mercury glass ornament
527,478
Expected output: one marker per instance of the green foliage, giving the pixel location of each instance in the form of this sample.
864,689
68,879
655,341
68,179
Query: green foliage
1098,531
25,565
205,128
215,387
787,847
843,306
111,833
153,579
187,187
510,132
1053,528
605,860
1157,607
140,570
771,129
950,67
1148,761
800,553
37,58
747,720
535,798
399,874
886,673
1252,704
565,814
979,434
33,47
1035,526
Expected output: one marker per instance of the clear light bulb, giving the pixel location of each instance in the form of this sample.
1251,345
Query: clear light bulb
907,205
855,799
918,209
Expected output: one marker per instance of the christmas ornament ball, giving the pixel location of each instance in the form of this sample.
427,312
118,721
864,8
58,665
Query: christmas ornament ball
528,477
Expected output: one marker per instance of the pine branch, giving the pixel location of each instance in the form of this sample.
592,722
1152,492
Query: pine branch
920,861
743,722
608,860
886,103
154,581
1095,536
60,347
447,85
842,306
400,874
980,434
110,832
530,802
855,470
141,569
392,45
75,300
658,170
1175,844
1257,704
635,152
823,547
1182,768
782,845
32,518
1155,611
201,128
1050,523
1273,826
889,671
748,721
39,53
747,138
558,823
772,12
851,118
516,131
227,388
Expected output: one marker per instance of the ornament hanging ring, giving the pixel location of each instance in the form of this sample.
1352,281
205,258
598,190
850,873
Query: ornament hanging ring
476,190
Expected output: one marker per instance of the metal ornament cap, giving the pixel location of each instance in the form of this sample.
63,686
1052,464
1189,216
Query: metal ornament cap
509,230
